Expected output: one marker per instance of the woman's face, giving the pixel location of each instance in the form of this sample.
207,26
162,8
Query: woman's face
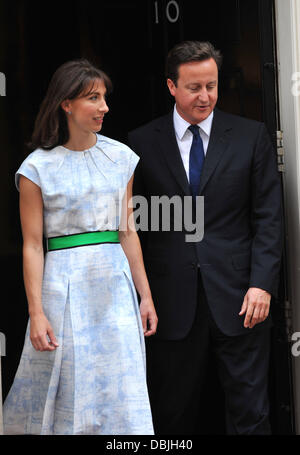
86,112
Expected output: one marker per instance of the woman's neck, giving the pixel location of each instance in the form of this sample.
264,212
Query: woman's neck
81,142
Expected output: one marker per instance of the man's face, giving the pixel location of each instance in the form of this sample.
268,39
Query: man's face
196,92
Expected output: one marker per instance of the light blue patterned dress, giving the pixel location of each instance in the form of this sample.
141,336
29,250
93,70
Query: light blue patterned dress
95,381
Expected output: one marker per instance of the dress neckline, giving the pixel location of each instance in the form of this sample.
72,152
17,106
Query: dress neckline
81,151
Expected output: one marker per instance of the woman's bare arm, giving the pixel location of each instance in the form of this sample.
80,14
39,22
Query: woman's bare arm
31,214
131,245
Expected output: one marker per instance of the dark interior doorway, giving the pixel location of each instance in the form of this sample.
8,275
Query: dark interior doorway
129,39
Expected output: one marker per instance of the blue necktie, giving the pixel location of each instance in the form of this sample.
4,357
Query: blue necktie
196,160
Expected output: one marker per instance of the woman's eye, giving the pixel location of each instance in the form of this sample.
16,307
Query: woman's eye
94,97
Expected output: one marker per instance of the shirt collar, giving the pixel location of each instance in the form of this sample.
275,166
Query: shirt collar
181,125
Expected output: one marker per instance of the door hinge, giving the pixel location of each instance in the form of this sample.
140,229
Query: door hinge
280,151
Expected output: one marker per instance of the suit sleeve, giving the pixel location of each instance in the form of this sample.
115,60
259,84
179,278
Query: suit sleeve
266,216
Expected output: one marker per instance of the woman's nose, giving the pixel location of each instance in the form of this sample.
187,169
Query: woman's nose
103,106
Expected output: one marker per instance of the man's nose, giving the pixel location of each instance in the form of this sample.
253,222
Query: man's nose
203,95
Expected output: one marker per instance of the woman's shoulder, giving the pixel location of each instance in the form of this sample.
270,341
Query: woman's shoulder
109,142
41,156
40,161
117,151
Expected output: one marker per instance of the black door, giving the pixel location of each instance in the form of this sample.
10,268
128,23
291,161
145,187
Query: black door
129,39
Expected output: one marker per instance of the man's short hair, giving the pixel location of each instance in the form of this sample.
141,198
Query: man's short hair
190,51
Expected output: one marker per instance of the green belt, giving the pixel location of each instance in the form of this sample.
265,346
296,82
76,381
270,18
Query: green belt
86,238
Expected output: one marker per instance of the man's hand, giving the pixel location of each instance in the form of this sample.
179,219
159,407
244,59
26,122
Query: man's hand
256,305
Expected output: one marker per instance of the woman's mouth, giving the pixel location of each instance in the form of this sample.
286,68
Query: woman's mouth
98,120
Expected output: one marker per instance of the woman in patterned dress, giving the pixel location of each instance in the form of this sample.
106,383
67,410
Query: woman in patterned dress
82,369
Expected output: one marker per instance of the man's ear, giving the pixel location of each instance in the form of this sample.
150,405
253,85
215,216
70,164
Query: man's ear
171,87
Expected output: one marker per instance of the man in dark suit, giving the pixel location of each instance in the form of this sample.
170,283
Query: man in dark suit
215,293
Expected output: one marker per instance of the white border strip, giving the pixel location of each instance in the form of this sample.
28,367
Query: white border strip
288,54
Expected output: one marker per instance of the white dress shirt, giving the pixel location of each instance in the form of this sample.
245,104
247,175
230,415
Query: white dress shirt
184,136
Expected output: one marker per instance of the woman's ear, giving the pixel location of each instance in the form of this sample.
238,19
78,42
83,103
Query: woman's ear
66,106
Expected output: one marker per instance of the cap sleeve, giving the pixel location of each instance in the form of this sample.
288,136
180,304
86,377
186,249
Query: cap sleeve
133,161
29,169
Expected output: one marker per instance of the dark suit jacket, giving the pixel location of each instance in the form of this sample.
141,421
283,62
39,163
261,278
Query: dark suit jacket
242,241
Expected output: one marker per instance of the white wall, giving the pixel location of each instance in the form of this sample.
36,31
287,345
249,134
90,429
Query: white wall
288,53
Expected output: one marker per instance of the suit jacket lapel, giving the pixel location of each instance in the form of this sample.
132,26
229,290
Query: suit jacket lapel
218,142
169,148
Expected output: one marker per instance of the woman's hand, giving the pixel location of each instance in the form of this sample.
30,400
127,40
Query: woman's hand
149,317
130,243
41,332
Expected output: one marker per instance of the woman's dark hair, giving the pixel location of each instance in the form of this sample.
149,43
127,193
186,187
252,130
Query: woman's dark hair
190,51
70,80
